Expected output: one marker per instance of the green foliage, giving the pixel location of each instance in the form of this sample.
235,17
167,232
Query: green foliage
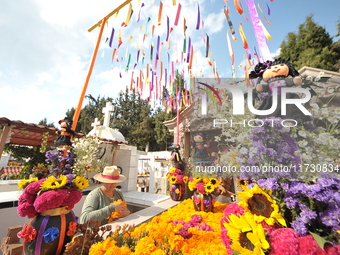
310,46
22,153
43,122
162,135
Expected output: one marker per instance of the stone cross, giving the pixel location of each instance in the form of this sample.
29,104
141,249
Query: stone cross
106,110
95,124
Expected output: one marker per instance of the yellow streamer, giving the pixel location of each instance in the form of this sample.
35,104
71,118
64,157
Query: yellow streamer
173,2
266,34
128,15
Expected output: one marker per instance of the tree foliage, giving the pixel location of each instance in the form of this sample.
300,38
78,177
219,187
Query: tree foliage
43,122
310,46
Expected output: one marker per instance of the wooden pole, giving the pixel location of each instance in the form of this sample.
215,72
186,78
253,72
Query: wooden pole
3,137
93,60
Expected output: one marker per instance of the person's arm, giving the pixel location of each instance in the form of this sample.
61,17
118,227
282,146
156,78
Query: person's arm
91,208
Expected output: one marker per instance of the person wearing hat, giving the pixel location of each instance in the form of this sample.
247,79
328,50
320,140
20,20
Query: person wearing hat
98,203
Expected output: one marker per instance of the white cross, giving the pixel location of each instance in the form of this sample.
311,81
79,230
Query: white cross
95,124
106,110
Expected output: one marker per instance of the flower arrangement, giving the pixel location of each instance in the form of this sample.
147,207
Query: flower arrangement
172,232
60,189
114,215
176,176
203,185
279,216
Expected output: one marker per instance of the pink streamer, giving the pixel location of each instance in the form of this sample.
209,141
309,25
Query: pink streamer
259,35
178,14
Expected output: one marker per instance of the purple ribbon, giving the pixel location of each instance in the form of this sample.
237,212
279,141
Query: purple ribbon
189,48
41,235
111,38
157,50
257,27
198,17
167,28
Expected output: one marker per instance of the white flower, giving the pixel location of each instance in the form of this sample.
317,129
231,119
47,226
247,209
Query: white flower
302,133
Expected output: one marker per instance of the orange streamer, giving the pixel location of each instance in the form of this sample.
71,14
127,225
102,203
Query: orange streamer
244,39
160,13
238,7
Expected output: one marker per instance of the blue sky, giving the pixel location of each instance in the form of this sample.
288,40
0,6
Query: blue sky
46,48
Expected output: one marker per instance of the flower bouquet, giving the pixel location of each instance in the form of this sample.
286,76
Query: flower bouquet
203,187
279,216
115,215
49,202
177,180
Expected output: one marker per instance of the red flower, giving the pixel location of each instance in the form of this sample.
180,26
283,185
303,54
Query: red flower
72,228
284,241
28,234
308,246
197,200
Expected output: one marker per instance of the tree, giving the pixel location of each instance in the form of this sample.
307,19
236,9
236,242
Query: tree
162,135
43,122
336,48
311,46
90,111
134,119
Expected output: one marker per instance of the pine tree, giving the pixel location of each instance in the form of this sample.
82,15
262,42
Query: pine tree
311,46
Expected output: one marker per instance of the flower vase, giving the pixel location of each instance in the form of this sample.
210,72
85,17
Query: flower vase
52,232
176,192
203,202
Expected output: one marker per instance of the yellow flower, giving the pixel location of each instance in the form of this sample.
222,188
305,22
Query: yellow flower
242,182
173,179
214,182
206,180
53,183
81,182
209,188
192,186
172,170
185,179
24,183
246,235
261,205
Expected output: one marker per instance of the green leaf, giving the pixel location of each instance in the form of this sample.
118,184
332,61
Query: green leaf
236,253
320,240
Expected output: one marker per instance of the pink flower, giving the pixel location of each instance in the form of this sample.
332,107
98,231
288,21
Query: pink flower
73,197
200,187
332,250
284,241
308,246
50,199
26,209
180,179
28,234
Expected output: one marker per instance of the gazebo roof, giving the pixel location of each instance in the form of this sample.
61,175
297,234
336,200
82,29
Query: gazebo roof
28,133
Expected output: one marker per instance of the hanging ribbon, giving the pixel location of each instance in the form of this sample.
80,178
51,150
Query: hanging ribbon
268,9
238,7
211,96
207,47
111,37
167,28
189,48
243,37
120,37
138,18
230,48
226,12
184,45
184,25
265,31
257,56
128,63
146,29
213,90
128,17
259,34
203,36
178,14
160,13
157,49
191,57
198,17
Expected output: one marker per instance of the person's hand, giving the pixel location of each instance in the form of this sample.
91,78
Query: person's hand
119,207
126,212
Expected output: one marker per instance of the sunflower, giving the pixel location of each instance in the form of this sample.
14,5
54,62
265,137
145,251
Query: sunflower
261,205
215,182
53,183
209,187
242,182
81,182
206,180
173,179
246,235
23,184
185,179
192,185
172,170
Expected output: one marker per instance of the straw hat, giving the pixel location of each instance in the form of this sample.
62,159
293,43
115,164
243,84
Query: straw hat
110,175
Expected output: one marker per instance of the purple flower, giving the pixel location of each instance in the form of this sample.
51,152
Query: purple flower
196,218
